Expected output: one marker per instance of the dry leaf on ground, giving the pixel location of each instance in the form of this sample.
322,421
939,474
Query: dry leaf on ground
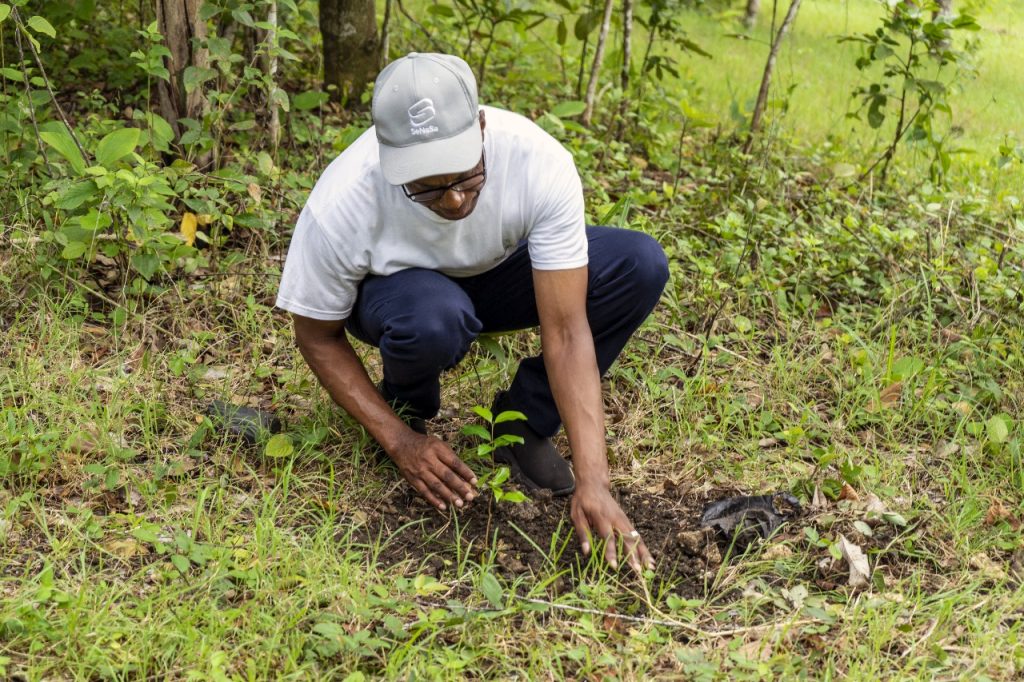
860,569
848,493
887,397
998,512
125,548
818,500
990,570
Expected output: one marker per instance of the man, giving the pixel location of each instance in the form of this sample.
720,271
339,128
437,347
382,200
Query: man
446,220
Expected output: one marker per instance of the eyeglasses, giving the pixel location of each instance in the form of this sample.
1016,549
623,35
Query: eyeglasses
471,184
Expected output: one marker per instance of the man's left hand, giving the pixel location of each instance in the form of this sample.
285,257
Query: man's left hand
595,513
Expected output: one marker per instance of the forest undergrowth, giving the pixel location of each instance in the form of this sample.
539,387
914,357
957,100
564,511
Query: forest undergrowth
855,343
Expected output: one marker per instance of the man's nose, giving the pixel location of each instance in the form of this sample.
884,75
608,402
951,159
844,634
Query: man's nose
452,200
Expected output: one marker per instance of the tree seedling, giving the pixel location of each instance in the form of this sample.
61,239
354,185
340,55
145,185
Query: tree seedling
488,443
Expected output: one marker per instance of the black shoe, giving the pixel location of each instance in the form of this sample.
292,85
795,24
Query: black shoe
535,464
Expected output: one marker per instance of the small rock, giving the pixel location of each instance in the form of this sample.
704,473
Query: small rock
511,563
693,541
777,551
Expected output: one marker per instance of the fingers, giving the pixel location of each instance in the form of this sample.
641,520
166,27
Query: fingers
423,489
455,488
636,552
630,546
440,476
460,468
443,489
579,521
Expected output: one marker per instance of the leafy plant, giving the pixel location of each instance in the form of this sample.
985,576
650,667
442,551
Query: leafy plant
496,478
913,47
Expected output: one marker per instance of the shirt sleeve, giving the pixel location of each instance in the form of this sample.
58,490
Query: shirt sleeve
318,281
558,237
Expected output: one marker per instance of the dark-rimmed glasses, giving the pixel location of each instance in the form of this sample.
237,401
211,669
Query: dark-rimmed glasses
471,184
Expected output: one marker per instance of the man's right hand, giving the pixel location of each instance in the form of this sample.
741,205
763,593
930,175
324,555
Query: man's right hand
434,470
430,466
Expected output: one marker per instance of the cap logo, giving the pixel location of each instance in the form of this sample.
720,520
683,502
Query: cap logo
422,112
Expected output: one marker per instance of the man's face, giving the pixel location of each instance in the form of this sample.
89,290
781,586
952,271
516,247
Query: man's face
452,196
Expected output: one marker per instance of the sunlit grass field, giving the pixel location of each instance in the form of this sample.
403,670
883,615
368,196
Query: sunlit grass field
816,74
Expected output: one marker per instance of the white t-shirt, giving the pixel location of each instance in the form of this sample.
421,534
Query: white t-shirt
355,223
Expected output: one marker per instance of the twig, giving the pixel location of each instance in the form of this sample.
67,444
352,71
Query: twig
668,623
46,80
437,46
28,96
595,67
773,53
384,45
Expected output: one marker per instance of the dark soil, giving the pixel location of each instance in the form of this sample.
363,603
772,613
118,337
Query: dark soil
536,537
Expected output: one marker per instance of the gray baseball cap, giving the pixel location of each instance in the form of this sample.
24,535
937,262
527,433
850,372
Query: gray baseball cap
426,115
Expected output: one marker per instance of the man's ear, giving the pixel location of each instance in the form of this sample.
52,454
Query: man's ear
483,122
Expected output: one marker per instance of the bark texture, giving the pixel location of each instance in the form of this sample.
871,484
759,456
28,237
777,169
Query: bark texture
351,47
595,69
750,14
178,21
766,79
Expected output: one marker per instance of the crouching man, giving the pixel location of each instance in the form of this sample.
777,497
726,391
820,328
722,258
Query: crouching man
447,220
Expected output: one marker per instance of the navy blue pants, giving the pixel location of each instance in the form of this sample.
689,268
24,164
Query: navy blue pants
423,322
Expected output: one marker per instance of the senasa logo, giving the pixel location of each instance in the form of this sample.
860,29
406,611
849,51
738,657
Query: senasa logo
422,112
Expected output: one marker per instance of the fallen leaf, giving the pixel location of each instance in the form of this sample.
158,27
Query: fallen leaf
777,551
949,335
988,569
848,493
873,505
947,449
124,548
255,192
756,650
962,407
215,373
855,558
611,622
997,512
818,500
890,395
188,228
767,442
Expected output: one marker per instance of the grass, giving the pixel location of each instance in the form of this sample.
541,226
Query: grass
812,336
815,76
198,558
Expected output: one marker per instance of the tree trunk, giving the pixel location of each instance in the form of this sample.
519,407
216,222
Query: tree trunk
351,47
183,31
766,79
750,15
595,68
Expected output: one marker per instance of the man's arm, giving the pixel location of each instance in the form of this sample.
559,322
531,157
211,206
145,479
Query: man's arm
571,365
430,466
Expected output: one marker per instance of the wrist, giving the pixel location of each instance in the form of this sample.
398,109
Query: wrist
396,437
592,484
